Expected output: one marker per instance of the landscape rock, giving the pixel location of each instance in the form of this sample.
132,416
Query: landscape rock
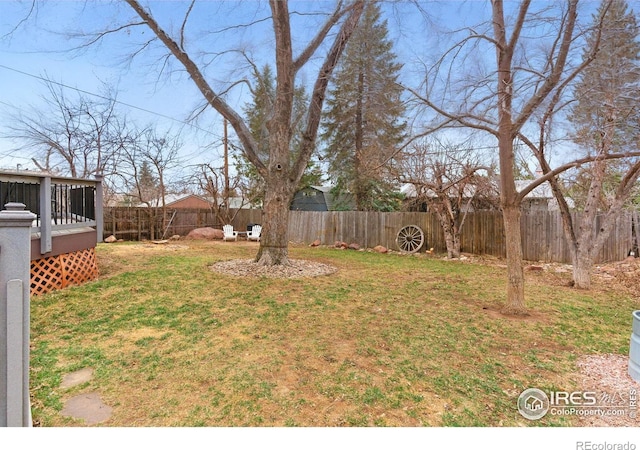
205,233
110,239
380,249
340,244
175,237
315,243
353,246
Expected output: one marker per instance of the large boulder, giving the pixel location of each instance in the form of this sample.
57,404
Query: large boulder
205,233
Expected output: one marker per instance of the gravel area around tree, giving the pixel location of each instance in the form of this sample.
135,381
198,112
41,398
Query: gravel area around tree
297,268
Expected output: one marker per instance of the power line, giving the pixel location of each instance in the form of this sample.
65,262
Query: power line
46,80
187,157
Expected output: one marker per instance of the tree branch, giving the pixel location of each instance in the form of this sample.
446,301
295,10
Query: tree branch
184,24
241,129
319,37
552,80
319,89
563,168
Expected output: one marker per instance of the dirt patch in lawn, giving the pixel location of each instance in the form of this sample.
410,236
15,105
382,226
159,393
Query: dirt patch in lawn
532,316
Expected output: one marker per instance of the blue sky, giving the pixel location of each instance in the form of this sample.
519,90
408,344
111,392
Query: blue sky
41,47
38,50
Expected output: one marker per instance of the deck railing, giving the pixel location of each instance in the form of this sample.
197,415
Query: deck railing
60,203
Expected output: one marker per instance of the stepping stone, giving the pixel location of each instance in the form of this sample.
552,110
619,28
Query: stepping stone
88,407
75,378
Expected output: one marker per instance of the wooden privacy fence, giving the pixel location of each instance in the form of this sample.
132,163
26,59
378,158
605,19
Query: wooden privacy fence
483,231
147,223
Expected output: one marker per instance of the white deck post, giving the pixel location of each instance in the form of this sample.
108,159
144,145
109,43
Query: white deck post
99,209
15,262
45,215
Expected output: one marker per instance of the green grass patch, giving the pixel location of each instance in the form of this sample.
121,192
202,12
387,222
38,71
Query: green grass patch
388,340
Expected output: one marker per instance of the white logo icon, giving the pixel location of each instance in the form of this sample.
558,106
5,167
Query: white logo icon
533,404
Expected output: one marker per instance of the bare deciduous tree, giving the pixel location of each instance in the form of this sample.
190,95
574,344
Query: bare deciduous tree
452,181
606,127
77,136
147,157
502,98
281,175
220,191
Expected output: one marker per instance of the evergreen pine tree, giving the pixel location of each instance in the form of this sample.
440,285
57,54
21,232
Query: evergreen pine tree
363,123
605,114
147,187
257,114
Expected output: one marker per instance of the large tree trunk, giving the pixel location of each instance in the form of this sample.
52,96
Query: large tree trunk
451,235
582,264
274,237
509,198
280,176
453,245
515,275
586,236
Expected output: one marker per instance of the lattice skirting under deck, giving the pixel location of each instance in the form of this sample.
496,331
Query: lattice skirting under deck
58,272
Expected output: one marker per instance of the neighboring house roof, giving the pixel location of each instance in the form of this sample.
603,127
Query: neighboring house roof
328,196
177,201
242,203
195,201
543,192
323,200
311,198
540,192
189,199
409,190
114,200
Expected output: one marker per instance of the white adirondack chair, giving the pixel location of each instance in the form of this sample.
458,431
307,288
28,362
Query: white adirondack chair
229,234
254,234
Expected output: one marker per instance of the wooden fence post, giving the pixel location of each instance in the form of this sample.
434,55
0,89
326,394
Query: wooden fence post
15,262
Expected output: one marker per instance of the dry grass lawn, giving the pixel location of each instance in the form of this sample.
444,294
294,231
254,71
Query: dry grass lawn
387,340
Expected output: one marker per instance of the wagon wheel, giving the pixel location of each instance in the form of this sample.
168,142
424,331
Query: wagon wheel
410,239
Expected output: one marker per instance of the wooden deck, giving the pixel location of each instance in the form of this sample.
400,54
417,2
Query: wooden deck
67,228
